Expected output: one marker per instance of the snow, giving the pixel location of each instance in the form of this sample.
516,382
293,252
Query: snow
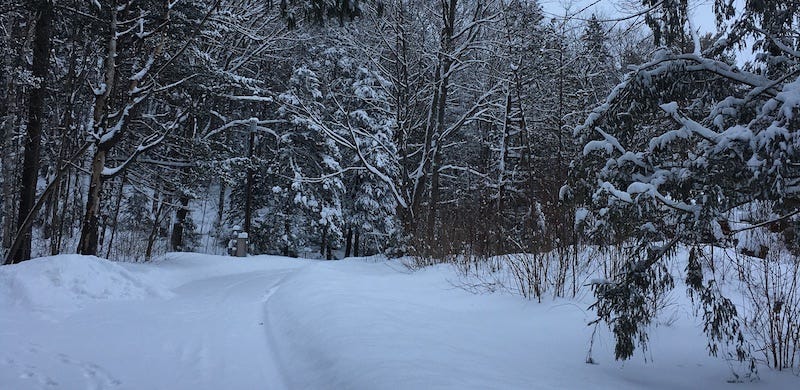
71,282
789,96
192,321
143,72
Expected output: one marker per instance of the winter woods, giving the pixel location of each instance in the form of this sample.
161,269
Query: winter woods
453,130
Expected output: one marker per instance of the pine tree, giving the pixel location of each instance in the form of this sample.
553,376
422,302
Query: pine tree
676,148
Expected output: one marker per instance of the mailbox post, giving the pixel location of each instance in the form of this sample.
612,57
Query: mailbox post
241,244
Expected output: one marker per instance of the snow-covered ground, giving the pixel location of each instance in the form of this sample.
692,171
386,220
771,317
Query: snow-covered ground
194,321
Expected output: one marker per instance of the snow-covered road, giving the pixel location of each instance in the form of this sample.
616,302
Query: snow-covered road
209,322
209,335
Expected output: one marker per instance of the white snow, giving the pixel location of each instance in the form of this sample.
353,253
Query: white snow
69,282
194,321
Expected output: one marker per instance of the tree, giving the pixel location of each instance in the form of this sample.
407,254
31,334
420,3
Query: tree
676,148
13,84
43,11
135,43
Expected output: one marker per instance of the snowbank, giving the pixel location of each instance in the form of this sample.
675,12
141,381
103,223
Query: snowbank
179,268
354,325
67,282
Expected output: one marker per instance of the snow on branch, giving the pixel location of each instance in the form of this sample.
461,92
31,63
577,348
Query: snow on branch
148,143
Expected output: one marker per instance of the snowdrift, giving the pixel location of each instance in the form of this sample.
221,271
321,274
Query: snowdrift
68,282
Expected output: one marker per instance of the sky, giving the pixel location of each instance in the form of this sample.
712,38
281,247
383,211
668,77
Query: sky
701,13
702,10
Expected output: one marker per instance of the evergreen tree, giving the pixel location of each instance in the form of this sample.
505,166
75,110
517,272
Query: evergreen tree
675,149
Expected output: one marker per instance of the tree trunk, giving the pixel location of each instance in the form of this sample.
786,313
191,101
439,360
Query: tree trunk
89,234
10,145
158,208
9,179
221,204
59,208
355,244
499,237
179,226
430,235
89,240
324,240
248,190
60,214
435,124
115,218
287,229
30,164
349,242
16,242
402,114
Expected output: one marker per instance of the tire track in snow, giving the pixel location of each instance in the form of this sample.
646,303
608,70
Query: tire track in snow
271,336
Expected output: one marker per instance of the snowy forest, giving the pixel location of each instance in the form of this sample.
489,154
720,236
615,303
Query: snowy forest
547,153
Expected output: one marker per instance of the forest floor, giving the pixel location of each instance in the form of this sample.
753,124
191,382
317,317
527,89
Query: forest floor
192,321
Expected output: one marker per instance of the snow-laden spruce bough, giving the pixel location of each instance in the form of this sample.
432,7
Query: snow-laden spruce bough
691,149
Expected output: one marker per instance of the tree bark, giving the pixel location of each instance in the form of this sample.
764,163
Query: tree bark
355,244
30,164
221,204
435,123
287,230
349,242
17,240
324,240
89,240
158,210
433,208
59,208
10,146
9,179
248,190
179,226
115,218
89,234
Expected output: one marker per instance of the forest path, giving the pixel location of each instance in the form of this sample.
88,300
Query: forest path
210,335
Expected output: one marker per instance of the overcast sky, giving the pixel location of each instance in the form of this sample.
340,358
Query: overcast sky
702,10
702,14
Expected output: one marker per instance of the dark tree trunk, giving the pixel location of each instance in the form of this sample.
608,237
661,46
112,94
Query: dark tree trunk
324,241
248,190
179,226
115,218
287,229
89,234
9,179
221,204
30,164
355,244
58,212
60,215
10,146
89,240
434,131
158,208
434,200
349,242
